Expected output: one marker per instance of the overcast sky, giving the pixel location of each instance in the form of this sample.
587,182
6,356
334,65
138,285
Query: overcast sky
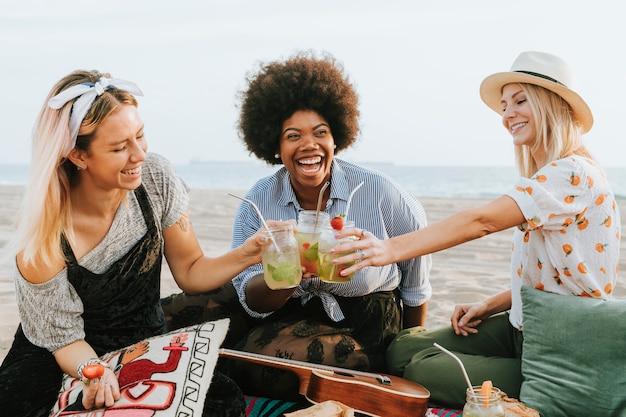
417,66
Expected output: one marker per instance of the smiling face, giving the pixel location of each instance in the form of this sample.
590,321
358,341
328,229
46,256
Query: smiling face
307,150
517,116
116,152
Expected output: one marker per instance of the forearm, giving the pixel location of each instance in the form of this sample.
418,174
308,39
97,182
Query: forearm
499,302
70,356
261,298
414,316
499,214
444,234
206,273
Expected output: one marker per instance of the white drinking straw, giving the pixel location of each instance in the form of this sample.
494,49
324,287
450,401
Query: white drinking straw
350,198
456,358
258,212
320,197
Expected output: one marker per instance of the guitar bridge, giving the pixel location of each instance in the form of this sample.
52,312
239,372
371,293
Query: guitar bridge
384,380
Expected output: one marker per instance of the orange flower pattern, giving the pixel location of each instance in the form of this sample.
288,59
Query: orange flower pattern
570,242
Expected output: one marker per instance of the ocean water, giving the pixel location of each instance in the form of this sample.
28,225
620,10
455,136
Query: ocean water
421,181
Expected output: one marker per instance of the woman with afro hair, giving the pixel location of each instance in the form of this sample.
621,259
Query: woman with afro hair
300,112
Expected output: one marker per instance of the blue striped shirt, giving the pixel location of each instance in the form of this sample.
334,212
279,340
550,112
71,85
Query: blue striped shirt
380,206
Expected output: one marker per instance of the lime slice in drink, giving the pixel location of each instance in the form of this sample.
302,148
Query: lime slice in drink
325,266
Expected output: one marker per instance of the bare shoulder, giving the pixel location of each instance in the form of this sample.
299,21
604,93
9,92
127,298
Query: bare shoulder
180,236
38,272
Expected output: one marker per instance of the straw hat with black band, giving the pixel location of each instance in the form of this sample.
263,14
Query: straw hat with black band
542,69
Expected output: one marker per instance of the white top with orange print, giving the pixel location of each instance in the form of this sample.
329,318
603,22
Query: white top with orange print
570,242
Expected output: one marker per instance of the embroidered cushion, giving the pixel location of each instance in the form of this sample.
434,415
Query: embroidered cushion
574,355
166,375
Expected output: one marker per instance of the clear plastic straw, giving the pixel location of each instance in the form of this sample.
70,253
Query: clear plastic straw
350,198
258,212
456,358
319,204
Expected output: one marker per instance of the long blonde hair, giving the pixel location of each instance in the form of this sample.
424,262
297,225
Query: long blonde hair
558,132
46,209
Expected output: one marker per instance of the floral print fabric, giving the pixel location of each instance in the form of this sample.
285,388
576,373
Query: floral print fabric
570,241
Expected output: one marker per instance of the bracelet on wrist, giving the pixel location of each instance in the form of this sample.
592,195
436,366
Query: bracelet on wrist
95,361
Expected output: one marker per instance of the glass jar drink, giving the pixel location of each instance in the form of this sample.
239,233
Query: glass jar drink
327,271
479,405
281,261
308,236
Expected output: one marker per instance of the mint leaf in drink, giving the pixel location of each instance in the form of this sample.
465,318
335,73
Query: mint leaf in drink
283,271
311,253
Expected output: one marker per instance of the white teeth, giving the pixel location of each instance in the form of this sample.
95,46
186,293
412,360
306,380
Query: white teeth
132,171
517,126
310,161
310,171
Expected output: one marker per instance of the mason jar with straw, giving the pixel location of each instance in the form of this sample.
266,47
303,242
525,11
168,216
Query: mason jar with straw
310,225
480,401
281,260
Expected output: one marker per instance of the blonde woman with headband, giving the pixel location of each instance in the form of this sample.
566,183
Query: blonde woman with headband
99,214
561,207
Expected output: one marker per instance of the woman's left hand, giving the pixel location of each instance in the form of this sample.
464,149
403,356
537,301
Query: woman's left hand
101,392
365,250
466,317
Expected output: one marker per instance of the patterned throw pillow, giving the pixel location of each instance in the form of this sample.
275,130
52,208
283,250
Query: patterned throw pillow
167,375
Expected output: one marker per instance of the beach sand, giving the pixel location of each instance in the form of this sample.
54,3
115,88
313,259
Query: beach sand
467,273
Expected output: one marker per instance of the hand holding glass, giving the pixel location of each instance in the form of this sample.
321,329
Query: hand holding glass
281,260
327,270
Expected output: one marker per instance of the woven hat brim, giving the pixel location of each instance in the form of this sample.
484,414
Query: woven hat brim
491,94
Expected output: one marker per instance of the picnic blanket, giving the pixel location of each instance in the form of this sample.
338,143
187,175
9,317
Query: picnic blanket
267,407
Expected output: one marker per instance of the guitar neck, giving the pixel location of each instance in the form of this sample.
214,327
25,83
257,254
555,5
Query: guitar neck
301,369
380,395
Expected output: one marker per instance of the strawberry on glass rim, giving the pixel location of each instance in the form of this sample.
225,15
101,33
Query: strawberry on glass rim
337,222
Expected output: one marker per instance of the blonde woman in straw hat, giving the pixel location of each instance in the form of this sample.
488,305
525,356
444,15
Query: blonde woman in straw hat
561,207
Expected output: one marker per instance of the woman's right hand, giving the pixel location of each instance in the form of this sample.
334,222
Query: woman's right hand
252,245
364,250
101,392
466,317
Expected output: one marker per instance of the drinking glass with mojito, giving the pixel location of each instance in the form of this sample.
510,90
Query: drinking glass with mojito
281,259
326,270
310,225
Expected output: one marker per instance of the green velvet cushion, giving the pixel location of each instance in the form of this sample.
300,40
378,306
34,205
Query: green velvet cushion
574,355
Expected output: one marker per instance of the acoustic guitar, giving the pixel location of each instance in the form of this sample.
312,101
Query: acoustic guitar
368,393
